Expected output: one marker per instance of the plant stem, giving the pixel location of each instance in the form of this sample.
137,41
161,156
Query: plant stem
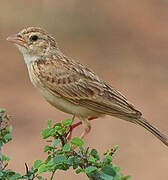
52,175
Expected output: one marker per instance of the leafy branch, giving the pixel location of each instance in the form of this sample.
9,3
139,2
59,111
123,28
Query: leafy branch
62,155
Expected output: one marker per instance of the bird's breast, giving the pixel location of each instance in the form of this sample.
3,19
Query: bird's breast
58,101
33,75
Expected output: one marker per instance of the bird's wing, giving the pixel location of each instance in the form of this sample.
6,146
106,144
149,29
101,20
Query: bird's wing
77,84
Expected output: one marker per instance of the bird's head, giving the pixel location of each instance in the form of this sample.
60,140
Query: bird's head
33,43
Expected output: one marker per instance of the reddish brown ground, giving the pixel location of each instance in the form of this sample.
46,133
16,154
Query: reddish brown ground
126,43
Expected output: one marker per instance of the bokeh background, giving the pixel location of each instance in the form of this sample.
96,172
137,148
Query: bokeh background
125,43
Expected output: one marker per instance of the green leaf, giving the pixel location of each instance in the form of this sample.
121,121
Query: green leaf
46,132
8,136
66,148
95,154
106,152
67,122
1,174
58,124
106,177
43,168
108,170
126,177
116,147
15,176
5,158
77,141
2,110
59,159
49,123
117,178
47,148
40,177
10,128
50,163
57,128
117,168
71,160
90,169
55,142
37,164
79,170
48,158
109,158
76,162
92,159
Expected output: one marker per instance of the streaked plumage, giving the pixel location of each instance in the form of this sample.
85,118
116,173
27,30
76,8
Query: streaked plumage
70,86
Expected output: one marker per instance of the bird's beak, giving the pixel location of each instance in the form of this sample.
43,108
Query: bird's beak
17,39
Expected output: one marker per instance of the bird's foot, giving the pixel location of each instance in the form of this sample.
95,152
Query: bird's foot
73,126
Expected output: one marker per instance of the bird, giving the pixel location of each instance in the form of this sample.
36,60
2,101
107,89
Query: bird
72,87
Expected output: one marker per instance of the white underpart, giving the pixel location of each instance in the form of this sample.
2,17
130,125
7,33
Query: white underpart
27,57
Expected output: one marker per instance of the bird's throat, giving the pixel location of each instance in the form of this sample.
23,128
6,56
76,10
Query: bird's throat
30,58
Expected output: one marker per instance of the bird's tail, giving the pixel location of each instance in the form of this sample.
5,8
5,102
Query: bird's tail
144,123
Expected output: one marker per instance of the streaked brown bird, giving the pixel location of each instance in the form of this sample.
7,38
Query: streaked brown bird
71,87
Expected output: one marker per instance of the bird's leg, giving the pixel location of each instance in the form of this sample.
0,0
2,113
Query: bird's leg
87,128
79,123
76,125
92,118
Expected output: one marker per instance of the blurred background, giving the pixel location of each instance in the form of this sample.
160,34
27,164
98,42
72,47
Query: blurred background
125,43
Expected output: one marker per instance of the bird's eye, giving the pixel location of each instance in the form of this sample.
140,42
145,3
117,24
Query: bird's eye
34,38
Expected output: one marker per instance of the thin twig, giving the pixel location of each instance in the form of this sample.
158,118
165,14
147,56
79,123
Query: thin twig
27,168
61,138
52,175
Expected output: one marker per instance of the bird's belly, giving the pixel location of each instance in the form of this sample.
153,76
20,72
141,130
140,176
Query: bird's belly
59,102
67,106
